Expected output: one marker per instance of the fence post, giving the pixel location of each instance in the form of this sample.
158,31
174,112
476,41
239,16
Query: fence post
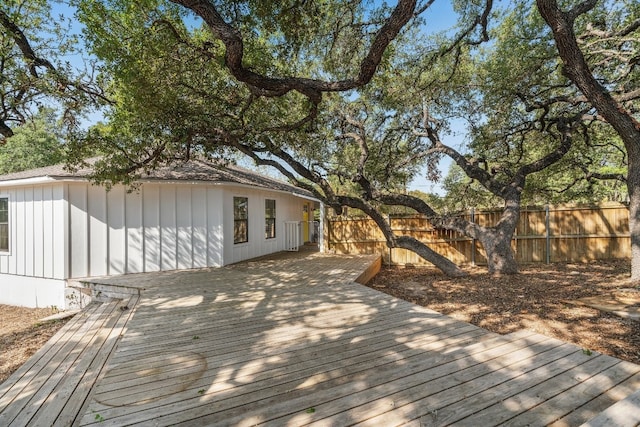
547,232
390,248
473,239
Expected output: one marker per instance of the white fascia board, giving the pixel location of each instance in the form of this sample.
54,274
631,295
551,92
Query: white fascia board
51,179
228,183
28,181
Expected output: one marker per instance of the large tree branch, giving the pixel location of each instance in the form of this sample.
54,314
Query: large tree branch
448,222
577,69
580,9
415,203
261,161
471,169
23,44
606,176
566,140
312,88
360,137
251,151
69,92
5,130
406,242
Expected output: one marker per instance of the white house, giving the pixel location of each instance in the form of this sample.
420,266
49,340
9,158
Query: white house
55,226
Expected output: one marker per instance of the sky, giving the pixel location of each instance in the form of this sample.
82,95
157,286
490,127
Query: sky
439,17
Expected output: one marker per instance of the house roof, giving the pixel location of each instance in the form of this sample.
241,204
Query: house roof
190,171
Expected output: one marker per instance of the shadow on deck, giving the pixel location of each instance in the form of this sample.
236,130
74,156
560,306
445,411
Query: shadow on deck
292,340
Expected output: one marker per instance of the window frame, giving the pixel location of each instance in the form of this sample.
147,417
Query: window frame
7,250
270,220
237,220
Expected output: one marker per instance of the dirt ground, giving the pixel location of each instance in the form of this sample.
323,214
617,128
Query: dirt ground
21,335
537,299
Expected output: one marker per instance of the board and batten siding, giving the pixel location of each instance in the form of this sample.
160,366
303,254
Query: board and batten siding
288,208
156,227
33,271
72,229
167,226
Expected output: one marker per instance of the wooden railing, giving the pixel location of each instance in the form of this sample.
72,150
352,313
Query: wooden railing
547,234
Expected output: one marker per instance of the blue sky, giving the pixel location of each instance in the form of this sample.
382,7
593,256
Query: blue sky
440,17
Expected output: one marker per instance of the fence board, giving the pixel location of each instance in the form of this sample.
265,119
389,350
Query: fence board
574,234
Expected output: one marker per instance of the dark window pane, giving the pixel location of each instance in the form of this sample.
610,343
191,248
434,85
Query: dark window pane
4,237
270,208
4,210
240,220
270,228
240,208
240,234
270,218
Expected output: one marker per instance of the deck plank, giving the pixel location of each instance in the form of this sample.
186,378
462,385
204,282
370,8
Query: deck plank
71,403
44,374
268,385
506,410
562,404
624,413
547,364
600,403
44,406
290,361
25,372
340,397
291,340
425,397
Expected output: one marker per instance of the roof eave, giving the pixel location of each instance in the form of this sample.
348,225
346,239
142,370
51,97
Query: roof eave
51,179
36,180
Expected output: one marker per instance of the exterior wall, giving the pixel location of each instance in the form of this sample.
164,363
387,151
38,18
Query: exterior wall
168,227
158,227
288,208
68,230
35,292
37,244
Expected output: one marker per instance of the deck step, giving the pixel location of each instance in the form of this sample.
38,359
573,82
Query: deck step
103,292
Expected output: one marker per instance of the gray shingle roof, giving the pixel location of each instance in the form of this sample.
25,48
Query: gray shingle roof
193,170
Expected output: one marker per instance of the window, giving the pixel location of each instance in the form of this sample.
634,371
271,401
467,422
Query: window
270,219
240,220
4,224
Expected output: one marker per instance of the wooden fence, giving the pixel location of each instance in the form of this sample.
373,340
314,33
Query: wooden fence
549,234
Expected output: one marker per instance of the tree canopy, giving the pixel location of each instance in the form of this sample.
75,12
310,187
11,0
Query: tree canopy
352,100
35,72
34,144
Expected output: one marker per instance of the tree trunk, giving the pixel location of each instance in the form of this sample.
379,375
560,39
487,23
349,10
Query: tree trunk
496,240
405,242
500,257
633,186
627,127
442,263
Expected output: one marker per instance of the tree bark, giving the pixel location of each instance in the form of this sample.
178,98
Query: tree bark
627,127
443,264
496,240
406,242
633,187
500,256
312,88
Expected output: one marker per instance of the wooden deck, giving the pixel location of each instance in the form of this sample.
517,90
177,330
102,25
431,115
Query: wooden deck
292,340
